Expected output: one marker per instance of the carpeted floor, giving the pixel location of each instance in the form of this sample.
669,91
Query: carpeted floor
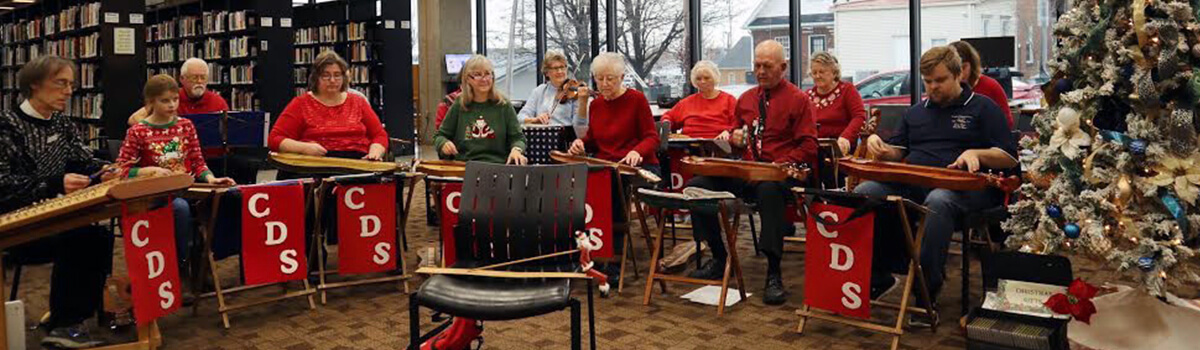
375,317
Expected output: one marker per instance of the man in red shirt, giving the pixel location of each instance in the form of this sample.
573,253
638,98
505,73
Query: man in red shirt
194,96
779,128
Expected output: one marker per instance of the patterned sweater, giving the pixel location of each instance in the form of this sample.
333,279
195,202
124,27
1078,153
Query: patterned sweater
172,146
35,154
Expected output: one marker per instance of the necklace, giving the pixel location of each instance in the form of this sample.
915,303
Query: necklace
824,101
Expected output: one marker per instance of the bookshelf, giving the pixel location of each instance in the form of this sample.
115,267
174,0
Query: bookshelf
74,29
245,43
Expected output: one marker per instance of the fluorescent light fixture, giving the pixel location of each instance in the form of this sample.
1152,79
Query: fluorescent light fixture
25,1
5,8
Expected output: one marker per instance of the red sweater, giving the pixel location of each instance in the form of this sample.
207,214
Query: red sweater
209,102
839,113
701,117
622,125
172,146
991,88
790,135
350,126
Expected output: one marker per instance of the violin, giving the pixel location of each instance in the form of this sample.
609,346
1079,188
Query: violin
568,91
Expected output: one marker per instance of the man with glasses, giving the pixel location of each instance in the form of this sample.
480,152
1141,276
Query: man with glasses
194,96
41,157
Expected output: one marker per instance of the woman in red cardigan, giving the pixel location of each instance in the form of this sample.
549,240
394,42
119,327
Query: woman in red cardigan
839,107
979,83
707,113
326,121
620,126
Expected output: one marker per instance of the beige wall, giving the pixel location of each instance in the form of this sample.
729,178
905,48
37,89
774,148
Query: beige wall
444,27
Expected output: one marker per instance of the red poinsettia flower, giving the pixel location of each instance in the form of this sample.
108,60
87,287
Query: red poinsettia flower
1077,302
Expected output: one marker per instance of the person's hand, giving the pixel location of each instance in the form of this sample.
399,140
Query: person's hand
448,149
577,148
738,138
724,136
583,93
633,158
376,152
968,160
222,181
876,146
542,119
844,145
517,157
153,171
74,182
313,149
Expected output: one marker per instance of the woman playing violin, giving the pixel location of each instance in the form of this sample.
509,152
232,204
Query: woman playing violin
553,104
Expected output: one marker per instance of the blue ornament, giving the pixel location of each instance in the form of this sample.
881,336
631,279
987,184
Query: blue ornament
1146,263
1072,230
1063,86
1054,211
1138,147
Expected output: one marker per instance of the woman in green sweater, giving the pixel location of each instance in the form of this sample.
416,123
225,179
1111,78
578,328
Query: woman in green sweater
482,125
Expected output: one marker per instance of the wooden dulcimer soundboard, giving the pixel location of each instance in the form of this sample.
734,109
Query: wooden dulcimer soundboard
623,169
925,176
745,170
442,168
89,201
306,164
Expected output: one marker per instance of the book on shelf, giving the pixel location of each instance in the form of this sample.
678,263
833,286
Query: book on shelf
85,105
237,21
243,100
212,49
215,21
242,74
87,75
300,75
360,52
239,47
356,31
359,74
89,16
215,72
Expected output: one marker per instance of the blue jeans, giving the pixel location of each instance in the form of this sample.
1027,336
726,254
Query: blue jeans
184,234
946,208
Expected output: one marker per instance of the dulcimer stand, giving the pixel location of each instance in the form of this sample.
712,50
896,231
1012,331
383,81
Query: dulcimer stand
914,277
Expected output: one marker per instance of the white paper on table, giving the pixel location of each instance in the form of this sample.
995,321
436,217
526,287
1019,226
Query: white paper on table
709,295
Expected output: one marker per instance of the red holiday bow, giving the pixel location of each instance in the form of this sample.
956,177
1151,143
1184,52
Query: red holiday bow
1077,301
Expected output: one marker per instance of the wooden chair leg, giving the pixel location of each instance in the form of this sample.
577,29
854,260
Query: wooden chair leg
655,252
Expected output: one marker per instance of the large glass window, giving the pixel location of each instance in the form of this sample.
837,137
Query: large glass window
568,29
727,42
652,36
511,46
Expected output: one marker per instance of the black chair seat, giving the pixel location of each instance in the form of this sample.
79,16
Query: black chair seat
493,299
986,216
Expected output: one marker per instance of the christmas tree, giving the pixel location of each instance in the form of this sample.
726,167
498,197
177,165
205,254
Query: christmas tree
1116,167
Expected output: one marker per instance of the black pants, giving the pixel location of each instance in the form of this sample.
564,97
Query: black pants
772,199
82,261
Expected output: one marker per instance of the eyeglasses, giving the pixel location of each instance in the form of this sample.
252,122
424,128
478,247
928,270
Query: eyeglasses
196,78
480,75
332,77
63,84
608,78
556,68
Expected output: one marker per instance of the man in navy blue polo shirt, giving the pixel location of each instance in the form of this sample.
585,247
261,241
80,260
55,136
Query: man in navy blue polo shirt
954,128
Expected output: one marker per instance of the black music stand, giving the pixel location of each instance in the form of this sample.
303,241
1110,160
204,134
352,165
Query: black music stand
915,275
226,131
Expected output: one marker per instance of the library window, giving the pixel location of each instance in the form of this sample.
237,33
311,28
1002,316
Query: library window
787,45
816,43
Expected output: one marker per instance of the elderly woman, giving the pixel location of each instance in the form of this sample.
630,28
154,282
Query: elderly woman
542,106
839,107
981,84
42,157
620,128
707,113
328,121
481,125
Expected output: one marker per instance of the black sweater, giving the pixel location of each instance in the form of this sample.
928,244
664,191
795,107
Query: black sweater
35,154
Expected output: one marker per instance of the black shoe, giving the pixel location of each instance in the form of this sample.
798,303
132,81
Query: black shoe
713,269
881,286
924,321
71,337
773,293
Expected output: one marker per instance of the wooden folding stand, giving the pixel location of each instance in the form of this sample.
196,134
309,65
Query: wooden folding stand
404,180
915,275
208,224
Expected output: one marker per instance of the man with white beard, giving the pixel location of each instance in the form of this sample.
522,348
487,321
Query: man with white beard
194,96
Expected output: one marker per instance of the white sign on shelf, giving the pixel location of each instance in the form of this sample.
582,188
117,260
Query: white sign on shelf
112,17
124,41
285,22
136,18
389,24
405,24
263,45
268,22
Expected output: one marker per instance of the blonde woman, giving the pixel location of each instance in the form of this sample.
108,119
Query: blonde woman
542,107
481,125
839,107
707,113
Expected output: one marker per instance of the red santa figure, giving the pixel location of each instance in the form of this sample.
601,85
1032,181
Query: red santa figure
585,262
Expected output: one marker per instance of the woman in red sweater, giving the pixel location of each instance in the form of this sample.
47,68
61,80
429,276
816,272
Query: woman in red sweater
707,113
839,107
326,121
620,126
979,83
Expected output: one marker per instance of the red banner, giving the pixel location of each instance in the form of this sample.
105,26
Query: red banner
840,258
273,233
599,207
151,261
366,228
450,199
679,178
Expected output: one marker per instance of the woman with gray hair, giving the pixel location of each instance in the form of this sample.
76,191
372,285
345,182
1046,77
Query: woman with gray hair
839,107
707,113
620,127
543,107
